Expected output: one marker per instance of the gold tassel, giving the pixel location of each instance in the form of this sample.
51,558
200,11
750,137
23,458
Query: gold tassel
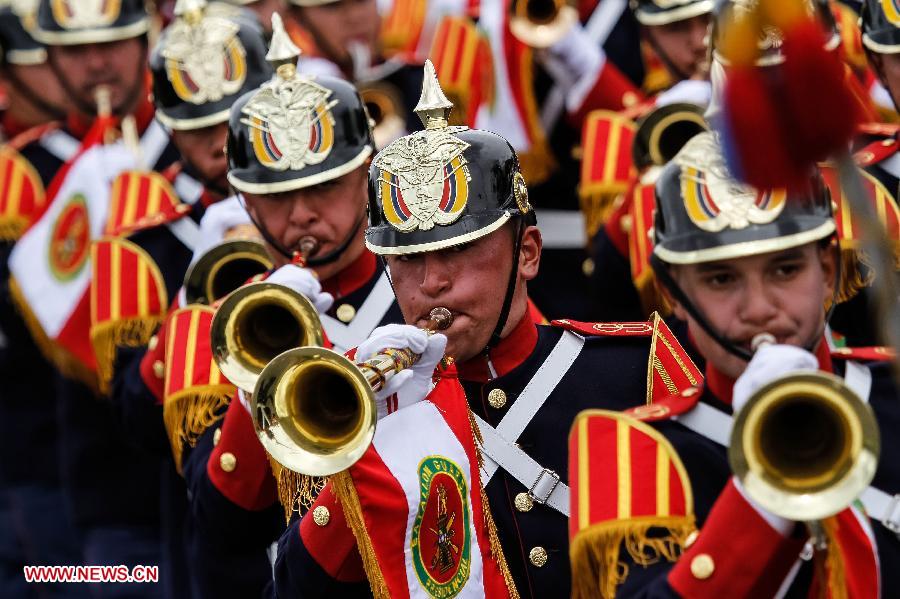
595,551
12,227
345,491
829,563
493,537
60,357
296,492
598,205
188,413
107,336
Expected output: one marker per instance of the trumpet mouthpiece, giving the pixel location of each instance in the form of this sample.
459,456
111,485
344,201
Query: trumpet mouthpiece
441,318
762,340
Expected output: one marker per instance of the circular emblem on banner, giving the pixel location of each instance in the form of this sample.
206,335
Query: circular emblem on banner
441,543
70,240
520,189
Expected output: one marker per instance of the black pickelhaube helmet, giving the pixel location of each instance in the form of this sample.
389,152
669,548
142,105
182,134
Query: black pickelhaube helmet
443,186
18,46
207,58
880,25
664,12
72,22
704,214
295,132
770,44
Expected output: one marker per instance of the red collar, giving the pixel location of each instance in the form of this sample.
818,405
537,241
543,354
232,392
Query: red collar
512,351
722,385
78,124
354,276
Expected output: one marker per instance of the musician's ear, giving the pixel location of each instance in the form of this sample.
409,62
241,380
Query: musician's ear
530,253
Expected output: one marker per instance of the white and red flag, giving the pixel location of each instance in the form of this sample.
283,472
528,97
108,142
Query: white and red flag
50,264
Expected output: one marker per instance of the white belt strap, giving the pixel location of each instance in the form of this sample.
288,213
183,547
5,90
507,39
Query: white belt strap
716,426
154,140
186,230
372,311
188,189
60,144
544,485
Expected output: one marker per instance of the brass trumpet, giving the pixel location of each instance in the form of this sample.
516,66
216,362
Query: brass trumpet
256,322
223,269
805,446
541,23
314,410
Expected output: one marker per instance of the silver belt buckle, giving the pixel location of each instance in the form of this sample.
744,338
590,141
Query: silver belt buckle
547,479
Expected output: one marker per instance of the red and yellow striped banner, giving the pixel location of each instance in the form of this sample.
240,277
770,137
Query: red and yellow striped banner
22,198
137,195
606,165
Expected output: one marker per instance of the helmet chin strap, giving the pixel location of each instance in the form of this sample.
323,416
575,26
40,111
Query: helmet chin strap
328,258
510,288
661,270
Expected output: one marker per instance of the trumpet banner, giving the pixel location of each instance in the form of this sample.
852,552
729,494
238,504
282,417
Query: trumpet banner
416,506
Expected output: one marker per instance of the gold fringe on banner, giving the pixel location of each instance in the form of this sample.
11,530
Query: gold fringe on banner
60,357
188,413
296,492
107,336
595,551
829,565
493,537
345,491
12,227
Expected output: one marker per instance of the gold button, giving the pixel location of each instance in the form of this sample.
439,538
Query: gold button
537,556
625,222
217,436
321,515
346,312
159,369
690,392
151,345
691,539
629,99
183,208
702,566
844,350
497,398
228,462
524,502
587,267
887,142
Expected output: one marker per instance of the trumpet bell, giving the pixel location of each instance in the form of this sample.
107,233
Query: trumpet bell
257,322
805,446
541,23
314,411
223,269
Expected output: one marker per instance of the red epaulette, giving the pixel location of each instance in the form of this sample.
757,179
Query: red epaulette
22,195
128,300
141,199
606,329
865,354
876,151
667,407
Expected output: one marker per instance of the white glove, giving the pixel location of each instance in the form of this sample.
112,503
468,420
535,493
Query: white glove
244,398
413,384
575,63
216,221
304,282
770,362
689,90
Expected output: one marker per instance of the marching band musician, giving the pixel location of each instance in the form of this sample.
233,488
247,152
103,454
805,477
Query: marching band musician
111,500
470,245
205,59
298,151
673,520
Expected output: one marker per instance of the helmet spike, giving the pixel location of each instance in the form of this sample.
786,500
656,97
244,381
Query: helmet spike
283,52
433,107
